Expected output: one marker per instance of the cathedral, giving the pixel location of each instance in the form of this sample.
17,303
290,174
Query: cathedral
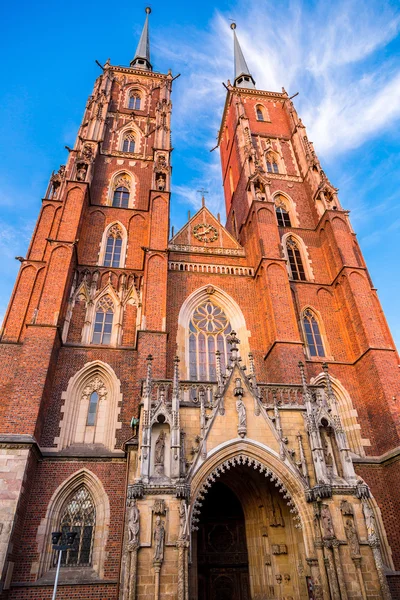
212,415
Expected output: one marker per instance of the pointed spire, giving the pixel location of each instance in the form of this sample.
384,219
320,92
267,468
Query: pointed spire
141,59
243,78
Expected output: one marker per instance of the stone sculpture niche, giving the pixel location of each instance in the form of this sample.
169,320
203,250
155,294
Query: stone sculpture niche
160,449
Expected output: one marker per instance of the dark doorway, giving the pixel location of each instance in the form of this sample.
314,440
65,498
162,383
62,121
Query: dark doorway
223,565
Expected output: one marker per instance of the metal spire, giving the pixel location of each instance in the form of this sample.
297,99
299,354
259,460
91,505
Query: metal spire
243,78
141,59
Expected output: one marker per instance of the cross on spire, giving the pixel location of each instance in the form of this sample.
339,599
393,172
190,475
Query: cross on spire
141,60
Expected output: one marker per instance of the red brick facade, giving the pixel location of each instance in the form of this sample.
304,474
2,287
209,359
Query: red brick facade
47,332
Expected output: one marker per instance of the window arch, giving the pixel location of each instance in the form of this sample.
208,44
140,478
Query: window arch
134,100
295,260
103,323
79,515
271,162
112,255
122,190
282,212
208,330
128,142
260,111
312,334
223,313
78,502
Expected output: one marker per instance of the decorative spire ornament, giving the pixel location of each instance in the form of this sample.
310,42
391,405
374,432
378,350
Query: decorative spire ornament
242,78
141,60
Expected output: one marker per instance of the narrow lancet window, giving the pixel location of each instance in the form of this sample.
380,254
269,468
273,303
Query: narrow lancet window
112,256
295,261
104,321
313,335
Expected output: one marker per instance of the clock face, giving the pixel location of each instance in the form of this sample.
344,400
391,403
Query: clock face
205,232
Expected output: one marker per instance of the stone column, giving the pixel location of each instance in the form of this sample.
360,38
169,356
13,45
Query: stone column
339,570
333,582
357,563
375,545
132,566
157,569
182,576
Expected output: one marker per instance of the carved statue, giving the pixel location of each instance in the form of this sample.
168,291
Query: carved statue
370,521
160,182
352,537
159,534
182,520
346,508
241,409
133,524
326,520
159,452
81,170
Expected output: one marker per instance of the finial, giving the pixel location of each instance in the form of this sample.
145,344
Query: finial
233,25
147,10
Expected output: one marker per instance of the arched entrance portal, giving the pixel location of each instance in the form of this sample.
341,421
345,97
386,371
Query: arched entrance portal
223,565
246,545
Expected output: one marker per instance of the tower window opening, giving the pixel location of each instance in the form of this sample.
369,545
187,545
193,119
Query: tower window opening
112,257
272,165
295,262
103,322
260,113
129,142
134,101
79,516
313,335
121,197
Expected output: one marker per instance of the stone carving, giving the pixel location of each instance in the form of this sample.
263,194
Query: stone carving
276,516
326,520
183,527
240,407
352,537
279,549
81,170
88,152
95,385
160,182
133,525
370,522
159,507
159,453
346,508
158,536
56,180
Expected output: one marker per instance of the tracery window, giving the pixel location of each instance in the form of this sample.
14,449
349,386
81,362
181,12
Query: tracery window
104,321
129,142
121,197
112,256
313,335
272,165
295,261
283,216
134,100
78,515
208,330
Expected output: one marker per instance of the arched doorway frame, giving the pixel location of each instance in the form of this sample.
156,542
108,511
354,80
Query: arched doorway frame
256,456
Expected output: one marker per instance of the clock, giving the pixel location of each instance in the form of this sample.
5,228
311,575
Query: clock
205,232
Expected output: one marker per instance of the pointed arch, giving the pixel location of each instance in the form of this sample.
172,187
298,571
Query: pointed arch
314,334
261,112
99,377
122,190
231,312
113,254
131,132
292,263
84,478
283,200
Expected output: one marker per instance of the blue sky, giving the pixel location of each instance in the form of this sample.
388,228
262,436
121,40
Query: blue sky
343,58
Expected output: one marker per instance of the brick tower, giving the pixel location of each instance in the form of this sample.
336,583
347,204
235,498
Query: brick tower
214,415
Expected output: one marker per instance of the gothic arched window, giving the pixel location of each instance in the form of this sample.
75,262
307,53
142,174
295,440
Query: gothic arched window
121,197
112,256
128,144
313,335
78,515
92,411
104,321
283,216
208,330
134,100
260,113
272,165
295,261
